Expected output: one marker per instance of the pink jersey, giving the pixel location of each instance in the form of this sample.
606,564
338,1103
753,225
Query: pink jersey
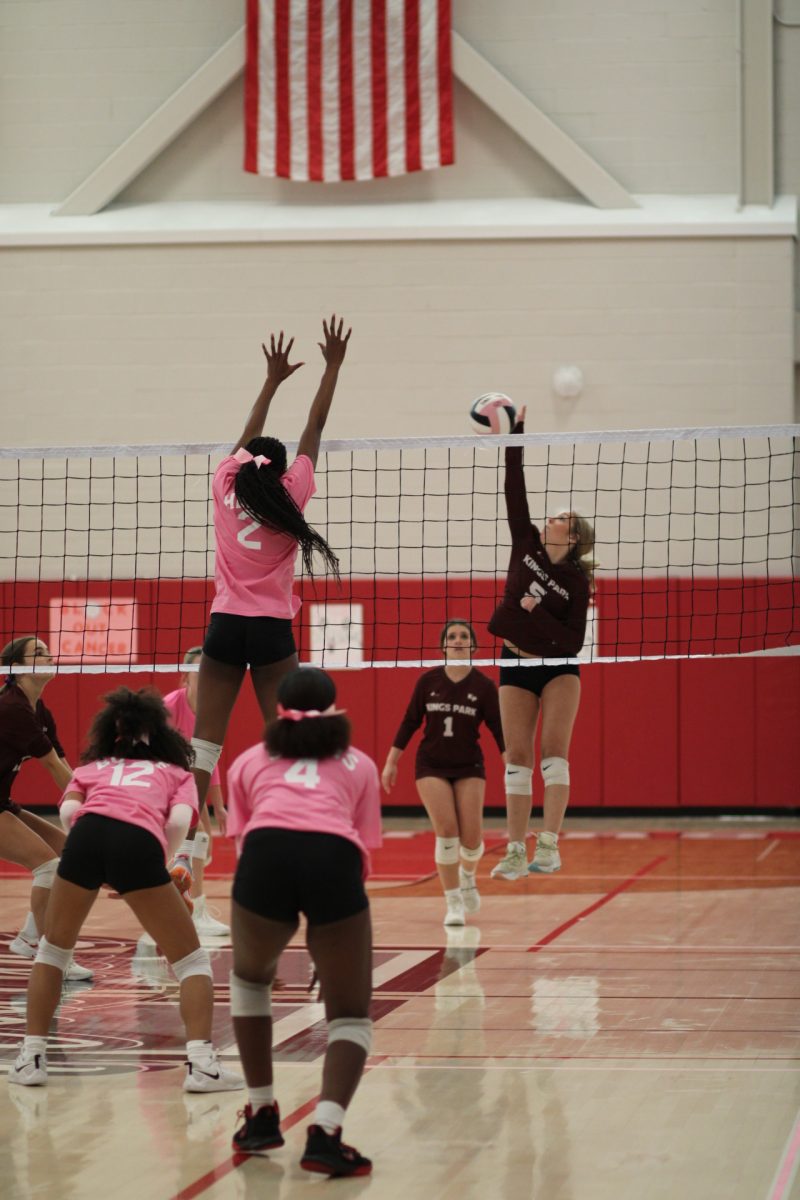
177,705
254,566
331,795
134,790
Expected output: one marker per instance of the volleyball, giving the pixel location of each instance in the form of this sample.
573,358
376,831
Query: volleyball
493,413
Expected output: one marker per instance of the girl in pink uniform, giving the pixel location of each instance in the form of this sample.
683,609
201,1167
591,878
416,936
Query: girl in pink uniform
182,706
305,810
124,809
259,524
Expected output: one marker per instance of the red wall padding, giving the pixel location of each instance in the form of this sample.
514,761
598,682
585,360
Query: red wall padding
691,733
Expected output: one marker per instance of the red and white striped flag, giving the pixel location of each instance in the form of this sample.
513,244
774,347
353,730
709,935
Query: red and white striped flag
347,89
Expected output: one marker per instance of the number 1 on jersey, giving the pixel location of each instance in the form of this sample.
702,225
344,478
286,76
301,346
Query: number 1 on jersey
448,727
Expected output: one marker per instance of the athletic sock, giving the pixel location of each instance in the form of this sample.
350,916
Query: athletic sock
29,929
198,1050
329,1115
34,1045
260,1096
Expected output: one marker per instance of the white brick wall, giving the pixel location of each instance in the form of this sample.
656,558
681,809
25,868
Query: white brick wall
144,344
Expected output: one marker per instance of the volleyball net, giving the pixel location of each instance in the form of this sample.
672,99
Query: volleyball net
107,553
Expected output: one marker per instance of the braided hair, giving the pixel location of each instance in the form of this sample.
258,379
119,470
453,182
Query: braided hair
263,497
136,725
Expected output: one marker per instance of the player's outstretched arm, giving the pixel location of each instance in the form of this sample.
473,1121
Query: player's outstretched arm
278,369
333,350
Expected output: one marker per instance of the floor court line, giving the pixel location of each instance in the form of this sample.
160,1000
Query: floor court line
787,1167
213,1176
230,1164
592,908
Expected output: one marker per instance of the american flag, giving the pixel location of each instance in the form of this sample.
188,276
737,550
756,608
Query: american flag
347,89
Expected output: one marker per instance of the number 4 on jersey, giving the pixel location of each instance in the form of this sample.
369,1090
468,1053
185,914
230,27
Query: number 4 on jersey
305,771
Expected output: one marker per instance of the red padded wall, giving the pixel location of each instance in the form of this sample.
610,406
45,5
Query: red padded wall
692,733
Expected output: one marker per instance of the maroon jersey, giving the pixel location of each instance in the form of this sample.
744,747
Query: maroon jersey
556,627
453,713
25,732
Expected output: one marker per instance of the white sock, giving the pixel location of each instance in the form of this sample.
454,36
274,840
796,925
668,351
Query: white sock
29,929
199,1050
466,871
199,905
453,894
329,1115
517,846
34,1045
261,1096
548,839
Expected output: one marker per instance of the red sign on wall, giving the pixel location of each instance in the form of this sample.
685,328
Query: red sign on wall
98,630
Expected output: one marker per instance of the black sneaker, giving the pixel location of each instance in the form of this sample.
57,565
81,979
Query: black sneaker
327,1154
261,1130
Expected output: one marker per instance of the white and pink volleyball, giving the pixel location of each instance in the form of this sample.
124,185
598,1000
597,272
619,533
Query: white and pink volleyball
493,413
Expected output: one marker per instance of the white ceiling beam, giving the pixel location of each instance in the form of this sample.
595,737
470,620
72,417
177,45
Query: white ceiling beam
177,112
156,133
537,130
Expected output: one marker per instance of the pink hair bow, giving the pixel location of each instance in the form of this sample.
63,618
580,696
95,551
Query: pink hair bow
244,456
300,714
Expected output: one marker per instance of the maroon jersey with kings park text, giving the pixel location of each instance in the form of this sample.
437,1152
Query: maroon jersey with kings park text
453,713
556,627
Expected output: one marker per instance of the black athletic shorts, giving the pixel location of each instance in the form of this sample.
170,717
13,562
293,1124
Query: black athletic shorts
425,768
8,805
102,850
285,872
531,679
258,641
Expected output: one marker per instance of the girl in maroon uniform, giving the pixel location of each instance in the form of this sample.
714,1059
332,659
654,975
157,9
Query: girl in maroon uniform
28,730
452,700
542,615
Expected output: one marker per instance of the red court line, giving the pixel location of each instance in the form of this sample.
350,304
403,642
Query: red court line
787,1168
211,1177
586,912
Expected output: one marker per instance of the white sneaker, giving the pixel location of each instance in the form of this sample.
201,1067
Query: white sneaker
546,860
455,911
75,973
470,895
29,1070
23,946
515,863
205,924
209,1075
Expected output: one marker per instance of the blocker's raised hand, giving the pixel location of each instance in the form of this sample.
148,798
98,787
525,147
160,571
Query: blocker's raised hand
335,346
278,365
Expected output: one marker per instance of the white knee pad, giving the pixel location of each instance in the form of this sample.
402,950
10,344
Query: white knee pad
206,754
555,770
201,845
518,780
472,856
446,851
196,963
250,999
53,956
44,875
351,1029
